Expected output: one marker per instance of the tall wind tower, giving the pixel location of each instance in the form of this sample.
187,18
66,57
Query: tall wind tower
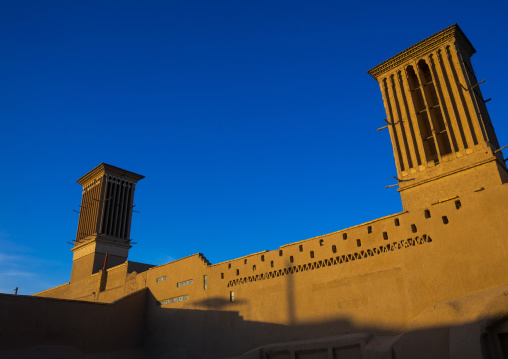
442,136
104,220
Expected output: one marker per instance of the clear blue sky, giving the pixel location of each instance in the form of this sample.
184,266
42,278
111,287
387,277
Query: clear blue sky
254,122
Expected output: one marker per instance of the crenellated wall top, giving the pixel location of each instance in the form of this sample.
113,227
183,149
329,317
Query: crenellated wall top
423,47
105,169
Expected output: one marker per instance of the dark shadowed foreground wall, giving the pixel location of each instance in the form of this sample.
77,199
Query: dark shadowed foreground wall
85,327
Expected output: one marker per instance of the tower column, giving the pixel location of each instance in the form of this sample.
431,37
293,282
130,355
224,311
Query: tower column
464,81
405,123
391,128
397,125
413,121
102,197
450,104
464,119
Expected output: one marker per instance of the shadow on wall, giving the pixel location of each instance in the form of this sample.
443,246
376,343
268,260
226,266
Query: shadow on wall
69,328
216,303
197,334
135,327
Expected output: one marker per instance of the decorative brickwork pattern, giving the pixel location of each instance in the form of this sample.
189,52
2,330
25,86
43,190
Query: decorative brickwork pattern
390,247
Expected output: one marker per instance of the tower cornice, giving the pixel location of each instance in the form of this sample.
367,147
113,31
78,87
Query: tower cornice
104,168
423,47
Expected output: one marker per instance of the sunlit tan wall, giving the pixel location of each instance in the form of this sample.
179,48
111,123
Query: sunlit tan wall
458,250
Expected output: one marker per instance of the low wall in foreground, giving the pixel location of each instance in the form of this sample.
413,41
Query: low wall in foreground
27,321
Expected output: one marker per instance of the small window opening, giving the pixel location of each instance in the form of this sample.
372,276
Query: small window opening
458,204
344,236
321,241
413,228
397,222
205,282
334,248
245,261
271,264
262,258
254,267
185,282
312,254
385,235
369,229
427,213
231,296
280,252
222,276
229,266
445,220
291,259
358,243
300,248
238,272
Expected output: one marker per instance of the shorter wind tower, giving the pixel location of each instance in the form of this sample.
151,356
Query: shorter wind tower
443,139
104,220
